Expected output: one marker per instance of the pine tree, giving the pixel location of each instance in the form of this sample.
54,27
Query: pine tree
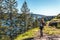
11,6
1,3
25,15
24,8
35,23
1,10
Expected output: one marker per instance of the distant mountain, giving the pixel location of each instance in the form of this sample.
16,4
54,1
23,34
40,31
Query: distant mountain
47,18
37,15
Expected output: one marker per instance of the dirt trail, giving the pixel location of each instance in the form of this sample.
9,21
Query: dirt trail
45,37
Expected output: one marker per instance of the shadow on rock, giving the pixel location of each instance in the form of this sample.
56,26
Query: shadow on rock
28,39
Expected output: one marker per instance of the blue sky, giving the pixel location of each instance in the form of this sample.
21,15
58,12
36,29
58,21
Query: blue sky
44,7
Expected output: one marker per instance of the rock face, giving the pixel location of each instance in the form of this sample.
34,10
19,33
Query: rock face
54,22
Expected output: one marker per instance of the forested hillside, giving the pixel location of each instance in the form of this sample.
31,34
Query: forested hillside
13,23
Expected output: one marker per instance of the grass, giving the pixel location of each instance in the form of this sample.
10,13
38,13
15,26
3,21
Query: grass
51,31
28,34
31,33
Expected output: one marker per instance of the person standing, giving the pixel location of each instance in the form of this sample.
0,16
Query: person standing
42,24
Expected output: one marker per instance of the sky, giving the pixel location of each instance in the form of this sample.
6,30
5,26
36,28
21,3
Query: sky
43,7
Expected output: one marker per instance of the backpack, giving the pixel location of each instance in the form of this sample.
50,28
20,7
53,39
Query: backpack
42,23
